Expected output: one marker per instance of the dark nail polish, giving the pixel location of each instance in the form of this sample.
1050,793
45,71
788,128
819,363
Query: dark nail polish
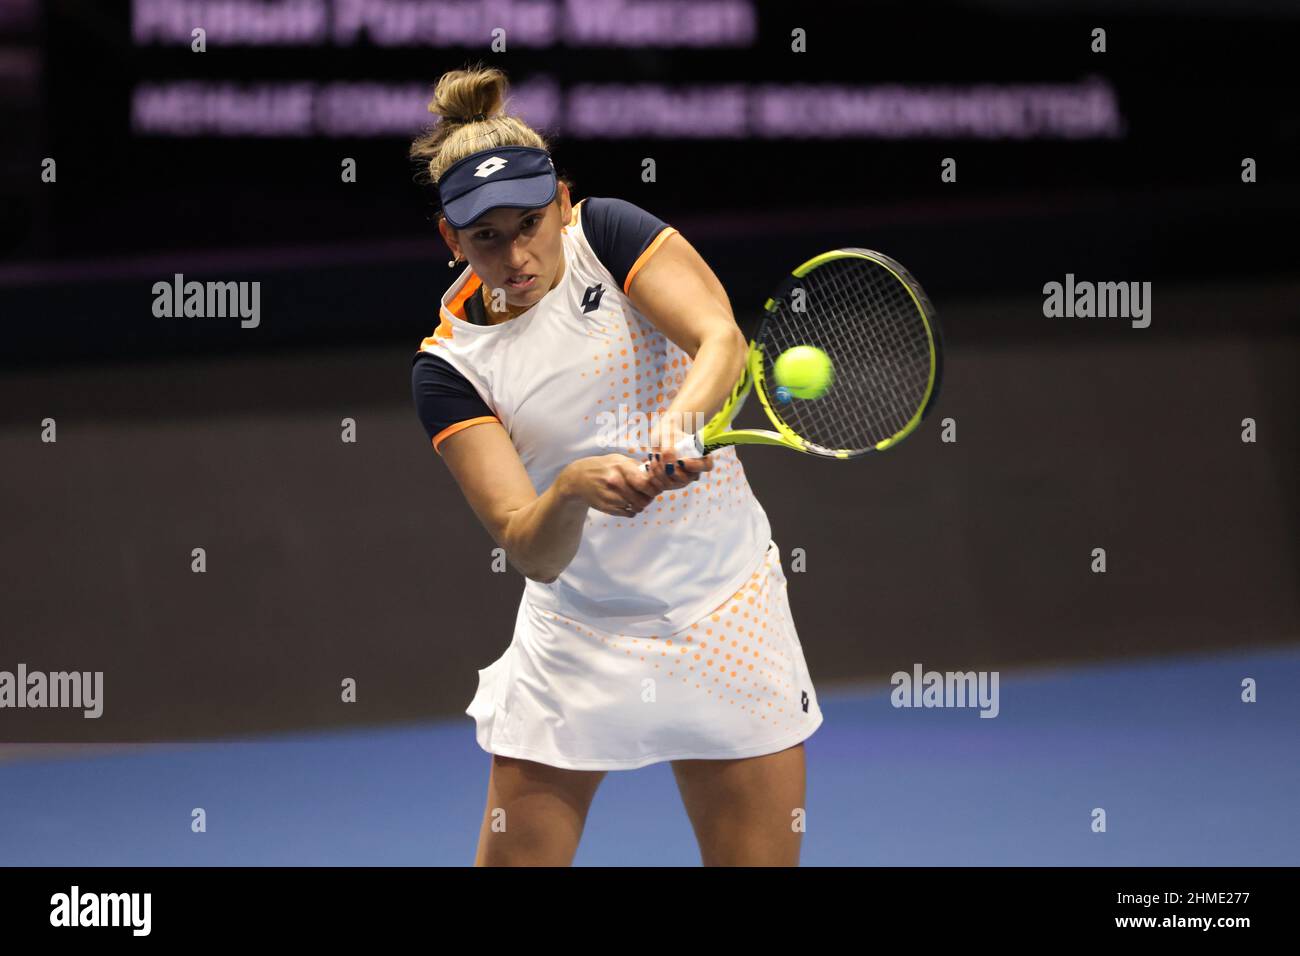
669,467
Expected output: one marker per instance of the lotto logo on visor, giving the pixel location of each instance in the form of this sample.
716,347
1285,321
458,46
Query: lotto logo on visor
522,177
490,166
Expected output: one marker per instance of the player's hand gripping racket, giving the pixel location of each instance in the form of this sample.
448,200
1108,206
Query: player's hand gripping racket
863,361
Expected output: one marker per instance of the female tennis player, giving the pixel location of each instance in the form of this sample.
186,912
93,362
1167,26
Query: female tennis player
579,342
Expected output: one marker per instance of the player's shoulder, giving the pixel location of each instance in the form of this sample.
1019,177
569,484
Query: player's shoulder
601,213
425,364
621,234
431,374
445,400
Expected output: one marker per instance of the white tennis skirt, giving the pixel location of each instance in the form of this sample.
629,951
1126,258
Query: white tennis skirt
734,684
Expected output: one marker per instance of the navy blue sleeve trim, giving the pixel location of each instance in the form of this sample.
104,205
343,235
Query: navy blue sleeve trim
618,232
442,395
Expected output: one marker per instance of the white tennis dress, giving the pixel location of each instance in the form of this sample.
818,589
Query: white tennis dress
669,636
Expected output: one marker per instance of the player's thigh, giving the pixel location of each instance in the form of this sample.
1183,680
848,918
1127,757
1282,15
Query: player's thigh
535,813
746,812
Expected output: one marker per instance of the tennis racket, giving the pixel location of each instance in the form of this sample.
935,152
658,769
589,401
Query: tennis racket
876,325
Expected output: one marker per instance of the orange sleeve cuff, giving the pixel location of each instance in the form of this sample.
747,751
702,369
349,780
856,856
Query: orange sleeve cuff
450,430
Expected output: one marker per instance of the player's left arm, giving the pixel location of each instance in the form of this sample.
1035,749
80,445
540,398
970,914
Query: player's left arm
679,294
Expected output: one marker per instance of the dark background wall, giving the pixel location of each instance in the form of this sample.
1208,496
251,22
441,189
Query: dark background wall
329,560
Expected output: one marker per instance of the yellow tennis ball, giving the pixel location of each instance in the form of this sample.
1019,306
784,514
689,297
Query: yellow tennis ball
805,370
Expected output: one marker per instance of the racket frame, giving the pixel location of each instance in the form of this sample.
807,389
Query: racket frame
717,432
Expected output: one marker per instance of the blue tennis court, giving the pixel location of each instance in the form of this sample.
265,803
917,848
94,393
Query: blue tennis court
1187,774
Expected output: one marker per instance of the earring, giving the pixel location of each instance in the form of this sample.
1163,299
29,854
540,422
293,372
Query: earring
451,263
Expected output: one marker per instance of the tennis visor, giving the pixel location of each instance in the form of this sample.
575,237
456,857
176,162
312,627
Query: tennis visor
520,176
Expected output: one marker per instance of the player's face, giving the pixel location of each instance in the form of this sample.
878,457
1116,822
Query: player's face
519,250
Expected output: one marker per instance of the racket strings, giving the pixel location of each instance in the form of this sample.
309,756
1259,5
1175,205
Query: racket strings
897,338
866,320
832,420
878,383
892,354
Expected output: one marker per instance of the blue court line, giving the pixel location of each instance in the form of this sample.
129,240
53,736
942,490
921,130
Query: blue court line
1188,776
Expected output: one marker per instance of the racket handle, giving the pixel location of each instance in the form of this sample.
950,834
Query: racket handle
688,446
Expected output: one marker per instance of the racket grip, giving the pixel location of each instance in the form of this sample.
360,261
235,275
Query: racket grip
688,446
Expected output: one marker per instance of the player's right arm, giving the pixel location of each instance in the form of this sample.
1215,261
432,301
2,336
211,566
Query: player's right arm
541,533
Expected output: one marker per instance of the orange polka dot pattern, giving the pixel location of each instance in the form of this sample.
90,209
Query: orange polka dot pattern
739,655
635,365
